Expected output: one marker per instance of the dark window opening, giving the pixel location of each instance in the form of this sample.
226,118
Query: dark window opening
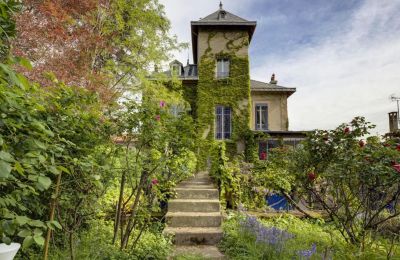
261,117
223,124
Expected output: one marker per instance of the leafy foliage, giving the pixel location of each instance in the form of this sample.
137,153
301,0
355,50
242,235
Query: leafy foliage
355,181
8,8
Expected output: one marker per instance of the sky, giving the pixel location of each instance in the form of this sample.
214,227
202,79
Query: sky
343,56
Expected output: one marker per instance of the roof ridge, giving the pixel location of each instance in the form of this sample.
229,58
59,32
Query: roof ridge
214,17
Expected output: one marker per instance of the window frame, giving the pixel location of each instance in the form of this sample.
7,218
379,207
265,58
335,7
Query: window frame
223,74
222,125
259,113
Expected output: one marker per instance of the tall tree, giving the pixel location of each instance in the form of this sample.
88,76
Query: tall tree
97,44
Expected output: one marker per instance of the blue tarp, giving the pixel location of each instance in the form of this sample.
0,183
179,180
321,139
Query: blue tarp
278,202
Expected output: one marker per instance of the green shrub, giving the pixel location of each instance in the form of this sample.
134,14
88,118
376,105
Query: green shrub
95,243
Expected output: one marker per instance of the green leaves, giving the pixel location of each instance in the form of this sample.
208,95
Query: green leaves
44,182
5,156
28,241
5,169
22,220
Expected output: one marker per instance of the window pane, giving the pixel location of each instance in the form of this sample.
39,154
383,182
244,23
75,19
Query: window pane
226,68
218,123
227,123
258,126
222,68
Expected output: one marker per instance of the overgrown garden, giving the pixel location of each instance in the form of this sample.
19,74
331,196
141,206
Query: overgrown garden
91,150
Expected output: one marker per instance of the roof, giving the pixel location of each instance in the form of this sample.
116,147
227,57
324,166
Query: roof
221,18
187,72
216,18
268,87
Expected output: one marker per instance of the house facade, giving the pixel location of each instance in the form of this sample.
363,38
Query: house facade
249,116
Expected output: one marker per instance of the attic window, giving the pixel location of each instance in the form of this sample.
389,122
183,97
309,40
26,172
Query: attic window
222,15
176,69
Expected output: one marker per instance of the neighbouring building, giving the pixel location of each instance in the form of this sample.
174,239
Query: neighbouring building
226,103
394,125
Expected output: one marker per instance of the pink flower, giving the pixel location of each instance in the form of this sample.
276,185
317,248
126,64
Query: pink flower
397,167
347,130
311,176
158,117
398,147
162,103
361,143
263,156
154,181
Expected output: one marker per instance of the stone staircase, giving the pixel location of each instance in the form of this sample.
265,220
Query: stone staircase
194,217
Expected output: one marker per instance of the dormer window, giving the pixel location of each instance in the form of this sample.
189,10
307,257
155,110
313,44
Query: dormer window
176,69
222,14
222,68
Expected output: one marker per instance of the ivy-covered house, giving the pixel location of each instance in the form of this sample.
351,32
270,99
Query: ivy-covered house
227,104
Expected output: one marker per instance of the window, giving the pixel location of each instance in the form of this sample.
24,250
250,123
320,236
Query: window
264,148
222,68
176,70
223,126
261,116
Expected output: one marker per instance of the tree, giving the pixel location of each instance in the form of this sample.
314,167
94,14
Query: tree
97,44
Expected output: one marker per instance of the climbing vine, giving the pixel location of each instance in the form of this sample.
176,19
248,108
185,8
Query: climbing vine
233,92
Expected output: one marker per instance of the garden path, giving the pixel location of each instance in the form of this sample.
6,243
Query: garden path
194,217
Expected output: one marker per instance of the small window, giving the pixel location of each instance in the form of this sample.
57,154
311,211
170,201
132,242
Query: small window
222,68
223,125
176,70
264,148
261,117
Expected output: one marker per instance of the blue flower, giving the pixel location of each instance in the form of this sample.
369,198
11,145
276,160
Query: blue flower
308,252
267,235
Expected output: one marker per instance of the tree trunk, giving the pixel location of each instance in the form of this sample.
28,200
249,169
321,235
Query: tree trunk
119,207
129,225
52,210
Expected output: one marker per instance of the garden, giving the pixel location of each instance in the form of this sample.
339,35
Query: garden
86,170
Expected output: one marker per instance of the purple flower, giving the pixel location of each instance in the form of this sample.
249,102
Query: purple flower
266,235
162,103
308,252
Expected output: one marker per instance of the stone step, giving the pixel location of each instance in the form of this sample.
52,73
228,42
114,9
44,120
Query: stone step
205,179
194,219
196,186
205,251
193,205
195,235
185,193
195,182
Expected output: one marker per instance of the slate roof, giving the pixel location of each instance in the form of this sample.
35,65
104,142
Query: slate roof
256,85
188,72
229,18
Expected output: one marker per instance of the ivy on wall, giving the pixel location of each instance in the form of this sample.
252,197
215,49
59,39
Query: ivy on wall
233,92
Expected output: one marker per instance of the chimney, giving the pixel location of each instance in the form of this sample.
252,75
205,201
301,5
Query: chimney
393,122
273,80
